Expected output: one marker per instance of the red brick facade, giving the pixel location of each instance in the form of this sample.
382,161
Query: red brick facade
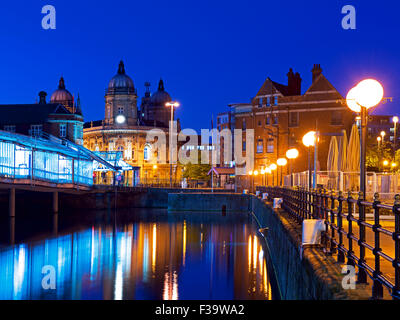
280,117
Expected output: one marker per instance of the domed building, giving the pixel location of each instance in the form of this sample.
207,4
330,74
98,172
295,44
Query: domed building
63,96
124,129
121,99
154,109
61,118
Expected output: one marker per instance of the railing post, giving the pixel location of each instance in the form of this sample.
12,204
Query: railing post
340,257
377,288
312,203
310,206
332,216
396,238
350,252
302,203
362,274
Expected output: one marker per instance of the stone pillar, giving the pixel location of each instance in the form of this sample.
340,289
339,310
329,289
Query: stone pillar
12,230
55,202
55,224
11,207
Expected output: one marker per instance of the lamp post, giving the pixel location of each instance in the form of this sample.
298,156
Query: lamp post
251,180
291,154
395,120
255,174
172,105
368,93
273,167
309,140
383,133
281,162
267,172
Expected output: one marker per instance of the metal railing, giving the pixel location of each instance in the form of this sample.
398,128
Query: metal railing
347,227
386,183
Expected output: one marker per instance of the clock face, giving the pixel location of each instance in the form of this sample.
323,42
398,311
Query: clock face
120,119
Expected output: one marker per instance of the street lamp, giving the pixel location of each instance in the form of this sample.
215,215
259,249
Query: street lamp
262,177
120,119
267,172
383,134
395,120
368,93
251,180
291,154
385,162
172,105
309,140
273,168
281,162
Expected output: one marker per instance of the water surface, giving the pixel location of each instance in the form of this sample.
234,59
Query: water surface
147,255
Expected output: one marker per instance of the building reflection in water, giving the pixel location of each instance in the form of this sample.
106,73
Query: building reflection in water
181,256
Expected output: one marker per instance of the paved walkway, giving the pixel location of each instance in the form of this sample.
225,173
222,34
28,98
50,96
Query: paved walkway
387,245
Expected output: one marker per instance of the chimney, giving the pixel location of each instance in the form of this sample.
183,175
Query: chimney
42,97
316,71
298,83
294,83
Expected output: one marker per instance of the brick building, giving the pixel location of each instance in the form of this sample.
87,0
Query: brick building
280,116
379,123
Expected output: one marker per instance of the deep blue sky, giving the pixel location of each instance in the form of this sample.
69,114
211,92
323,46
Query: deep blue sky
209,53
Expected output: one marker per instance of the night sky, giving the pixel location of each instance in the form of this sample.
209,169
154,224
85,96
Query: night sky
209,53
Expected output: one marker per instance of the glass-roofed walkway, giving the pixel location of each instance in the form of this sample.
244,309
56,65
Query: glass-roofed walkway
47,159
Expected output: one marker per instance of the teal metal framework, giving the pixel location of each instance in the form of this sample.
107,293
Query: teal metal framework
46,158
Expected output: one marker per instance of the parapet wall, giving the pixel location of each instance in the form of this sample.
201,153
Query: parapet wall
217,202
307,274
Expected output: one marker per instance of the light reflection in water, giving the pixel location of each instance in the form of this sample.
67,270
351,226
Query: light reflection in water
171,256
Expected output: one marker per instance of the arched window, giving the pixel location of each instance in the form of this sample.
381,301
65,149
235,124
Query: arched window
146,152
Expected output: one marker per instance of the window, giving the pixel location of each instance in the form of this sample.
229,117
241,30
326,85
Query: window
146,153
63,130
244,124
9,128
336,118
275,100
243,145
260,146
293,119
267,120
260,102
36,130
120,110
108,112
275,119
270,145
267,103
259,123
